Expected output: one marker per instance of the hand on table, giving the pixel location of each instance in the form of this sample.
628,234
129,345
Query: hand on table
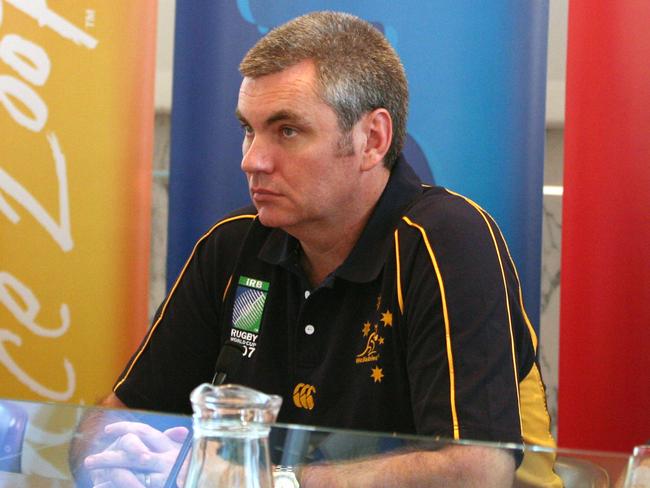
140,456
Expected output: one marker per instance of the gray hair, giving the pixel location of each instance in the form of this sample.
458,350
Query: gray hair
358,70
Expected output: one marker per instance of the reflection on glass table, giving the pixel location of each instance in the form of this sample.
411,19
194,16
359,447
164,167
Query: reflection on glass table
35,440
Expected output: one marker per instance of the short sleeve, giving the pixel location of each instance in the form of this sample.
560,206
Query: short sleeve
462,313
180,348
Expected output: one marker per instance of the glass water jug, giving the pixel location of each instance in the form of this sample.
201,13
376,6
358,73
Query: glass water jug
230,443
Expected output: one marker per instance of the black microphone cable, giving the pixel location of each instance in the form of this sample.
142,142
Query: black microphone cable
228,361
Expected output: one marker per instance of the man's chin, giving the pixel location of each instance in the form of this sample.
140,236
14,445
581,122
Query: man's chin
270,219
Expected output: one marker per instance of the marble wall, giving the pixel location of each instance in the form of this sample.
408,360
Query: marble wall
551,233
551,246
550,299
159,203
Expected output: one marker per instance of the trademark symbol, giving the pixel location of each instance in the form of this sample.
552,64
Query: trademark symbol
90,18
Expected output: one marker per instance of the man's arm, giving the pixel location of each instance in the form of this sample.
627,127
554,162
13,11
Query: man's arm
90,436
111,401
110,447
453,466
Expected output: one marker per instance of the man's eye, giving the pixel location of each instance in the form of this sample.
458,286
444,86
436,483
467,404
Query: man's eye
289,131
248,130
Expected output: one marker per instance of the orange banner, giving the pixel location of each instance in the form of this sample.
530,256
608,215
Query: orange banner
76,130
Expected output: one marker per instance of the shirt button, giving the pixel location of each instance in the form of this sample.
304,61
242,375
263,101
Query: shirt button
310,329
307,293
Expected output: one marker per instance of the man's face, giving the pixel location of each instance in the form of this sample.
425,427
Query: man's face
301,169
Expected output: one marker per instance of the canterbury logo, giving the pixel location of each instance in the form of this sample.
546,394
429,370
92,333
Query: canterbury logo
303,396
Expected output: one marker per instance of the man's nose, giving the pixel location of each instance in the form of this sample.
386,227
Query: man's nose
256,157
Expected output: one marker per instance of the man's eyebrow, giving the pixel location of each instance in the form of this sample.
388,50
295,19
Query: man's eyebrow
280,115
239,115
284,115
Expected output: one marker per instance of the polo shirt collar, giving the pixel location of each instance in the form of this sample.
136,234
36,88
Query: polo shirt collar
368,255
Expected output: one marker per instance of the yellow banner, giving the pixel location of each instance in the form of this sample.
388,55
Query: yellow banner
76,129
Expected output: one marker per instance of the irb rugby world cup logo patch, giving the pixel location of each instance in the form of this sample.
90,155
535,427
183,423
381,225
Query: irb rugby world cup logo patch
249,304
247,312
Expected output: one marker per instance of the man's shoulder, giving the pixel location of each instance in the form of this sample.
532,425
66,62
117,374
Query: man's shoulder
448,220
221,244
232,224
442,209
226,235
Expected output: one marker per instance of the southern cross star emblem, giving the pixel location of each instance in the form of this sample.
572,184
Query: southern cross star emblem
387,318
377,374
366,329
374,341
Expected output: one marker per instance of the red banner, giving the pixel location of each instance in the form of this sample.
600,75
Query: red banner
604,388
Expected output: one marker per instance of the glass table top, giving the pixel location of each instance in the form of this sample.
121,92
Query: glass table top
35,440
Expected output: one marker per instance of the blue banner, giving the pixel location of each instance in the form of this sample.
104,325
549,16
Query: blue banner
477,78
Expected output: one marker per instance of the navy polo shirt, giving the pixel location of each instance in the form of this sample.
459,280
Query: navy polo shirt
421,329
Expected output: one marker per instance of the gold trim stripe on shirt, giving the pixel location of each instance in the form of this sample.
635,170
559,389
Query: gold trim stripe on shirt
531,329
450,359
225,291
398,278
482,213
171,293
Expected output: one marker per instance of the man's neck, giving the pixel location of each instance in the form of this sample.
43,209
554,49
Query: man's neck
326,245
320,257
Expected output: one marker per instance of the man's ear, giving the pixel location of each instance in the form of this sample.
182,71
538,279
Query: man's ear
378,128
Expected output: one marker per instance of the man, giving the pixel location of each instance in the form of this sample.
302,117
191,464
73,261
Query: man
364,298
